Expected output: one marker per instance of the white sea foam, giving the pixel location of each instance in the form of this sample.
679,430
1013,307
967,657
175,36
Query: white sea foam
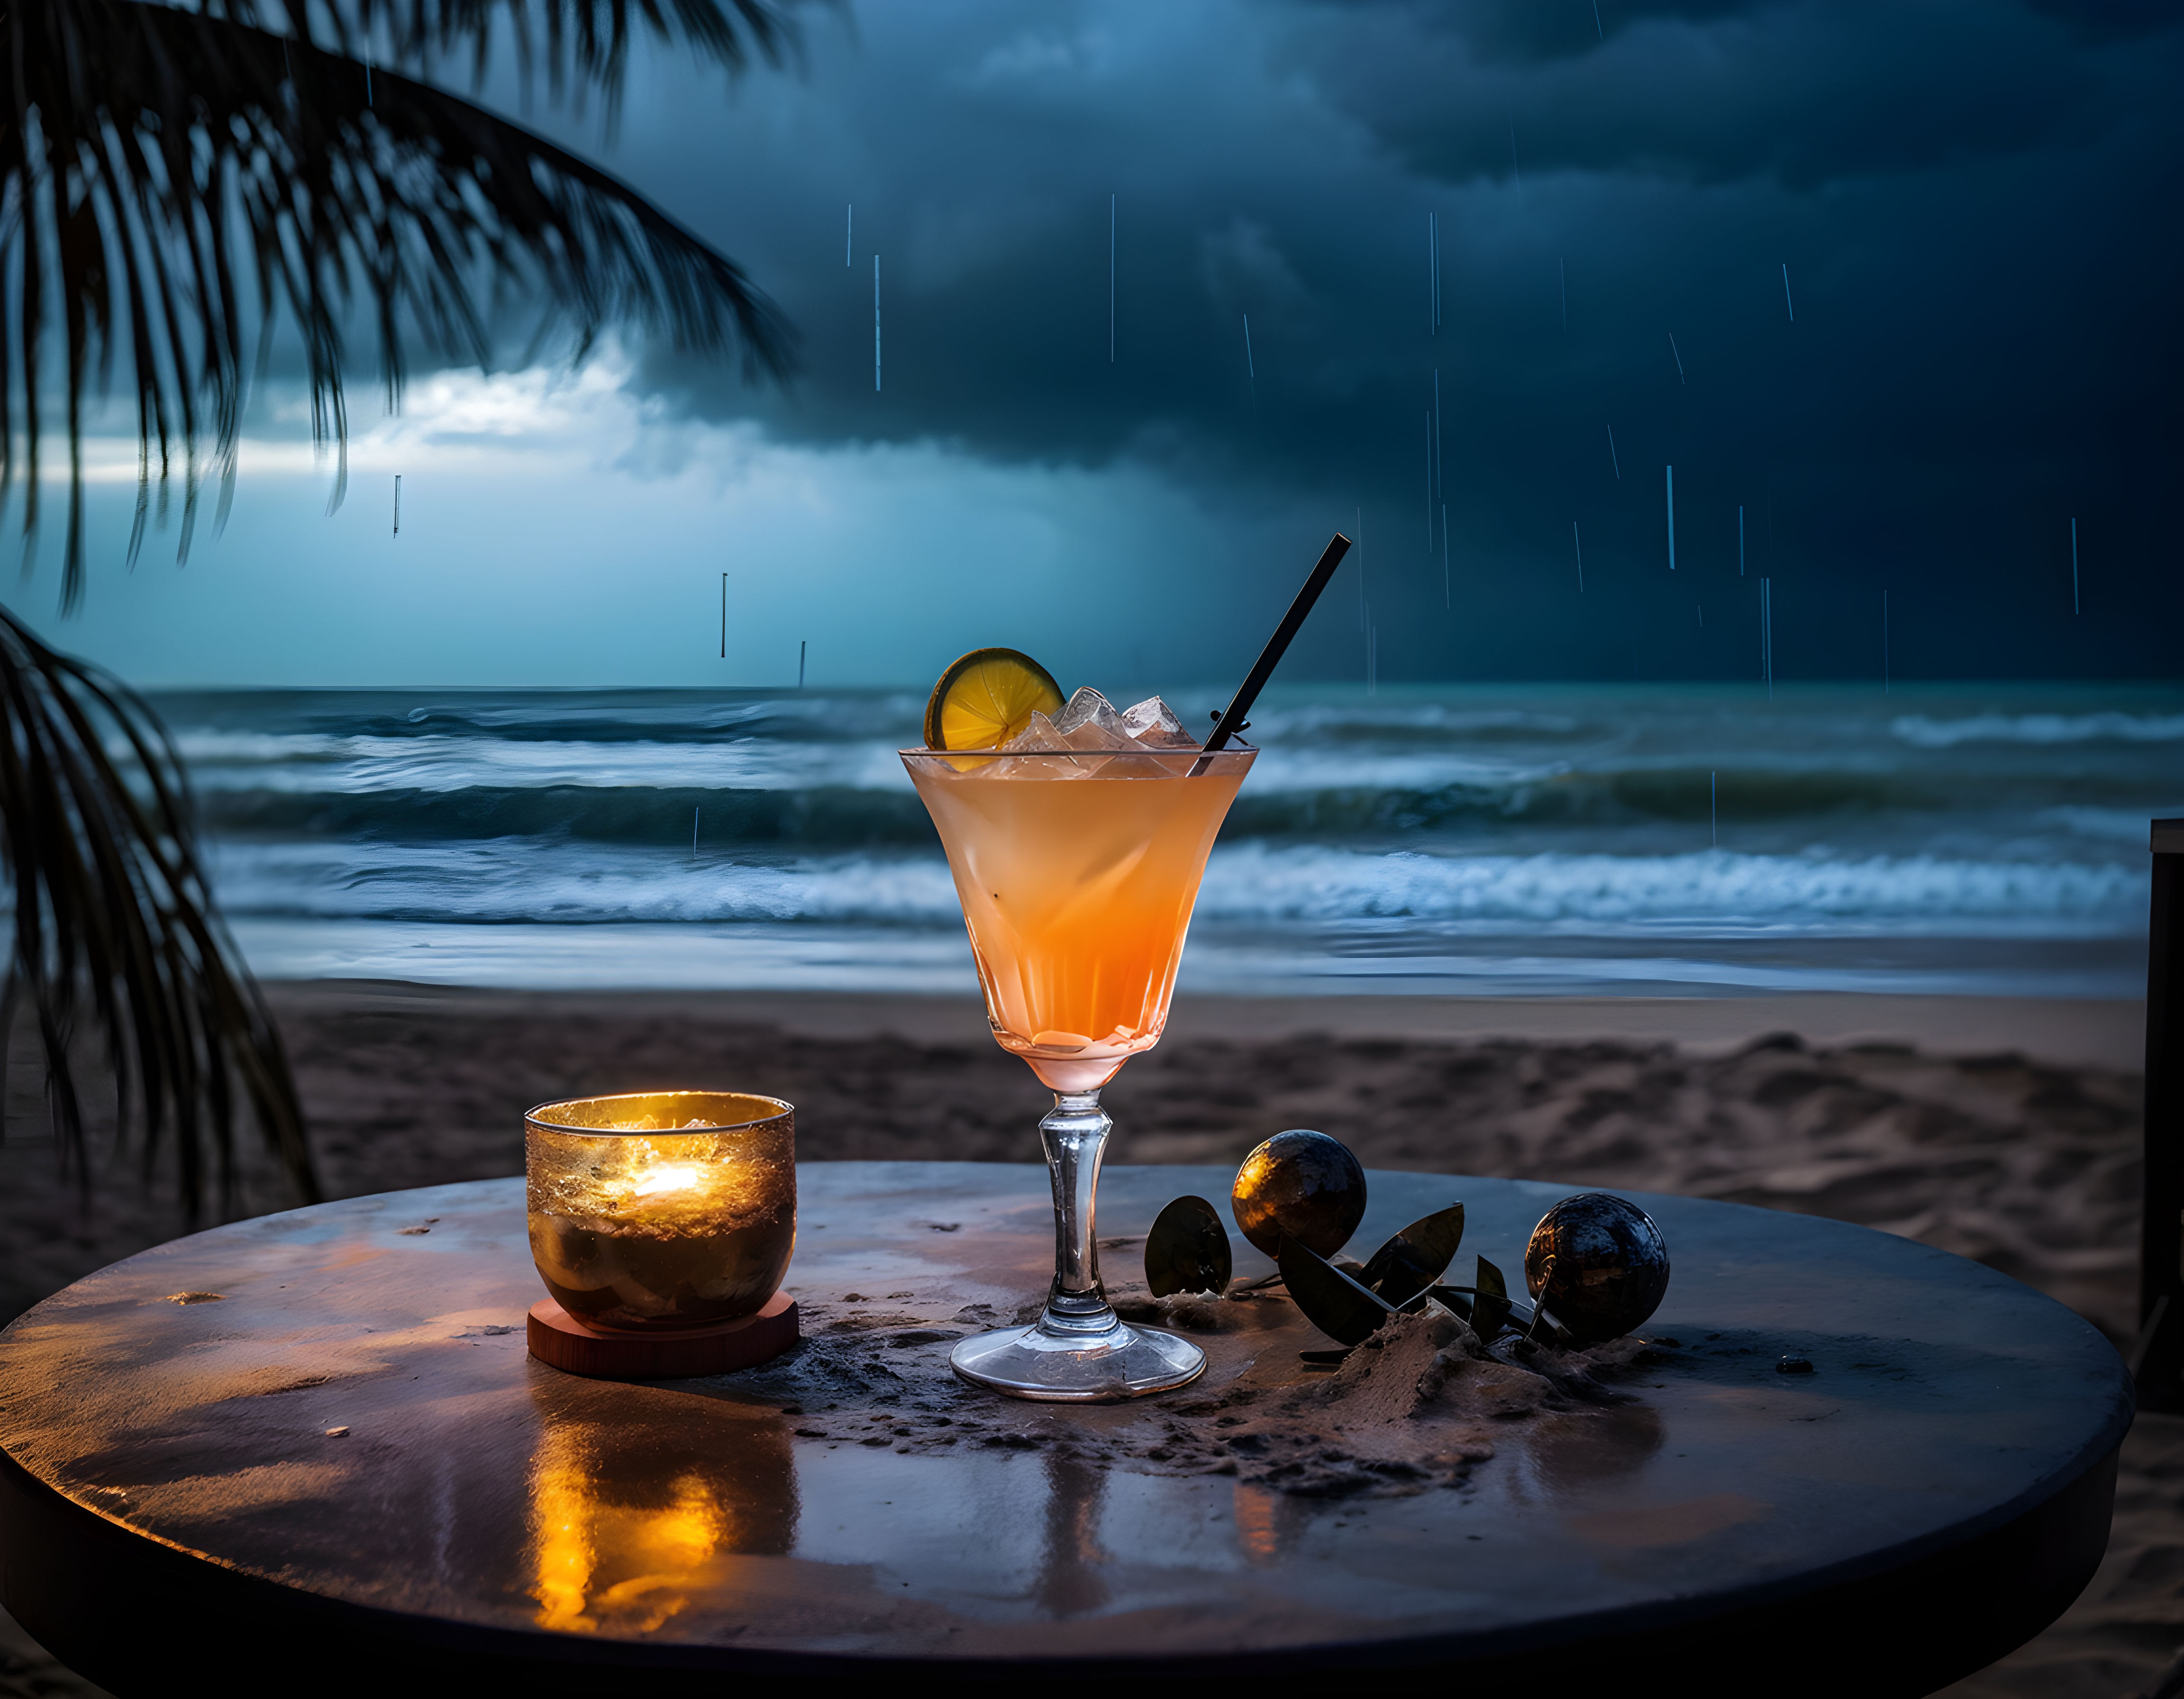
1925,733
1704,892
358,766
1286,771
1708,894
502,880
203,746
1366,718
366,766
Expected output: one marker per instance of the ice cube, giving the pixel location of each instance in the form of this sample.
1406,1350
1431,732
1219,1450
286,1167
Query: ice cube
1043,737
1039,737
1155,726
1088,727
1088,721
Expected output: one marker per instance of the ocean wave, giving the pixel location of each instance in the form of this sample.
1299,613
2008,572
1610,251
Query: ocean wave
1917,729
843,806
813,774
513,880
796,717
362,765
247,725
1305,771
1414,825
1407,722
1703,890
373,766
2114,825
205,748
368,765
813,818
1708,893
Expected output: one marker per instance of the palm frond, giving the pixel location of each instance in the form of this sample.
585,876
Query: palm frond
581,44
172,179
112,919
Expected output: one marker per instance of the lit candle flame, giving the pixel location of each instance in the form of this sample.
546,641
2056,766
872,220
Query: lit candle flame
669,1179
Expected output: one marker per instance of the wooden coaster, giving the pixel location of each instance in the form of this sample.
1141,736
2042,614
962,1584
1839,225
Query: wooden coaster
559,1339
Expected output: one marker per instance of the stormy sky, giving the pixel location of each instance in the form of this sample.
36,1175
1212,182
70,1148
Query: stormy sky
1900,280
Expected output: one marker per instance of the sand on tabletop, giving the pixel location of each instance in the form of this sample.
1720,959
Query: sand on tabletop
2004,1129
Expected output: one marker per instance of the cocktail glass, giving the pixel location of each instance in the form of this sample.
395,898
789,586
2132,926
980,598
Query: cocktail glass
1077,874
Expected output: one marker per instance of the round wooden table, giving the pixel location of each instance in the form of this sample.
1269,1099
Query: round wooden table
308,1452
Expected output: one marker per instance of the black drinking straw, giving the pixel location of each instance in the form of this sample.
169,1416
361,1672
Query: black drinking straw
1270,657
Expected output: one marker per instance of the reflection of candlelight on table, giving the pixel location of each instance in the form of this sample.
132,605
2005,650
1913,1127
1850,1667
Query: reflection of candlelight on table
621,1567
662,1210
631,1520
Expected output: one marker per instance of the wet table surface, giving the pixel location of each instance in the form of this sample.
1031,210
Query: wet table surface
353,1421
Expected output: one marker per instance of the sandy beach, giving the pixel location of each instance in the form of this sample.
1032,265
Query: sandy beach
2003,1129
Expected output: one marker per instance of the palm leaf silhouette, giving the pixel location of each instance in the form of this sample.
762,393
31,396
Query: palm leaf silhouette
172,178
583,43
113,918
174,182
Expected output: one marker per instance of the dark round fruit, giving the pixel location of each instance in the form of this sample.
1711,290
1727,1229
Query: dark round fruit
1300,1185
1599,1265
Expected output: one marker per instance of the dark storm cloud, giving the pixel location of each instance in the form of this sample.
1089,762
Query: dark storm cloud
1803,94
1975,203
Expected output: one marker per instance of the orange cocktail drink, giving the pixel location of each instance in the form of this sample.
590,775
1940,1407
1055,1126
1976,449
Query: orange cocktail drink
1077,836
1078,867
1077,874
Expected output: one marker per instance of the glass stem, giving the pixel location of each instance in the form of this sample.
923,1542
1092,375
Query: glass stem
1075,1134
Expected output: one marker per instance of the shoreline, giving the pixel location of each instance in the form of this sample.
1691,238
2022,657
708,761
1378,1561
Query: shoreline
2106,1033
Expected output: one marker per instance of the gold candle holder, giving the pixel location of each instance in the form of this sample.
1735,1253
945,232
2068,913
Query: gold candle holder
655,1213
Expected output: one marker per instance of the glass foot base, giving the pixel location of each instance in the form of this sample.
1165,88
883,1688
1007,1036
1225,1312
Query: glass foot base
1117,1363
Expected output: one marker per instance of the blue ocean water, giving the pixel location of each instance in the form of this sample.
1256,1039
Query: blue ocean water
1502,840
